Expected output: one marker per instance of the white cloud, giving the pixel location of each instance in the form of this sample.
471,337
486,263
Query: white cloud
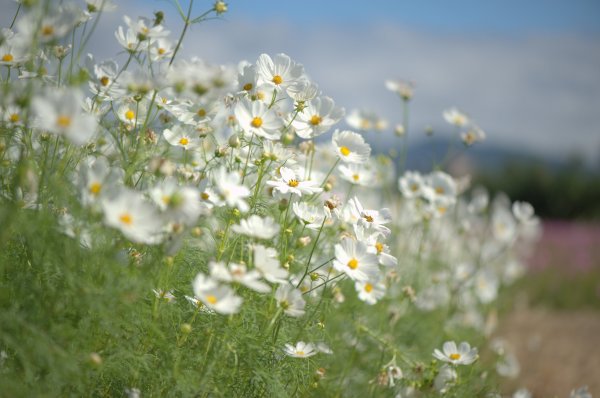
536,92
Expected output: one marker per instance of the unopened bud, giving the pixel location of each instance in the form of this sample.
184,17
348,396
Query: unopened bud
186,328
234,141
220,7
399,130
287,138
95,359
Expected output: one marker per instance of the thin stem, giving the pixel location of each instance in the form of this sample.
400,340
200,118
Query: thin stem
187,23
324,283
15,17
312,252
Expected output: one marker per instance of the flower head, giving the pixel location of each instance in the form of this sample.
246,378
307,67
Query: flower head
461,355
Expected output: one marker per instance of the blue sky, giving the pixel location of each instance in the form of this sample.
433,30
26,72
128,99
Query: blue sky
527,71
471,16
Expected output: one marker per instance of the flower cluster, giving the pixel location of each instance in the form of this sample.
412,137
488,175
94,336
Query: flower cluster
218,169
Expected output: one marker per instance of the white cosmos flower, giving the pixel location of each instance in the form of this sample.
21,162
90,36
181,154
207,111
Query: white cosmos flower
445,379
238,273
257,227
351,147
54,24
370,291
290,183
504,227
279,72
95,177
472,135
219,298
137,219
161,48
461,355
302,91
364,120
357,174
311,216
181,136
455,117
370,219
401,87
267,263
13,51
290,300
411,184
228,186
300,350
145,28
255,117
59,112
129,40
486,286
375,245
317,118
247,78
523,212
439,184
180,204
354,259
132,114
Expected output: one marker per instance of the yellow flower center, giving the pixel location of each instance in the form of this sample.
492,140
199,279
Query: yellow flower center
184,141
355,177
47,30
126,218
260,95
204,196
161,51
104,80
379,247
277,79
352,264
300,353
368,287
459,120
368,218
439,190
248,86
95,188
211,299
345,150
315,120
293,183
201,112
7,57
15,117
129,115
441,209
166,199
414,187
454,357
256,122
63,121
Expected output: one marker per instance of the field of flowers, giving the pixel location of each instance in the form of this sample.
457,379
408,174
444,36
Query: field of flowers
171,227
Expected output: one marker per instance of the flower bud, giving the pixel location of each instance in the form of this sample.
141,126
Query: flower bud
220,7
234,141
186,328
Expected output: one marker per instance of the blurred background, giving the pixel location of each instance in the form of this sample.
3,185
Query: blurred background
527,72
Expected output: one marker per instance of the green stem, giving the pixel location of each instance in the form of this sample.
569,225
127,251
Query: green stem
187,23
311,253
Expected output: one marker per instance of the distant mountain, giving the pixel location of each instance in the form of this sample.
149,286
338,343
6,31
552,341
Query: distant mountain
429,153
